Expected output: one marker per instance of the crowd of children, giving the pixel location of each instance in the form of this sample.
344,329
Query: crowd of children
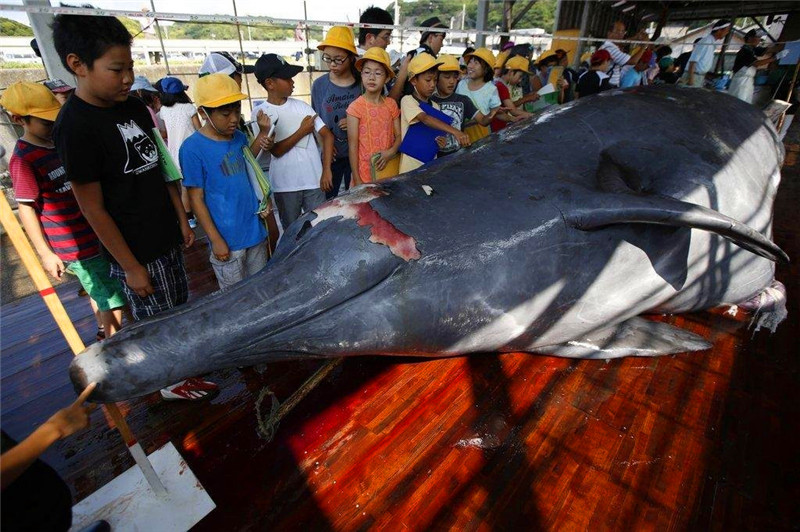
88,171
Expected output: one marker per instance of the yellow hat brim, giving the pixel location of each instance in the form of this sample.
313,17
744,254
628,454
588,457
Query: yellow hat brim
425,68
360,64
223,101
47,114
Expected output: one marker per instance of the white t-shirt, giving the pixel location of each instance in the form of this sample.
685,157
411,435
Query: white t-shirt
301,167
178,121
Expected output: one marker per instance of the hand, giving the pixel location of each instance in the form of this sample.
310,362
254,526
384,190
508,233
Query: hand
343,124
266,213
75,417
383,160
187,233
263,121
441,142
326,181
492,113
355,179
266,143
220,250
463,139
53,265
562,83
307,125
139,281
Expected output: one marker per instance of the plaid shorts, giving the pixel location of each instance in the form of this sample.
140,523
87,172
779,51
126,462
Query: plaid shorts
168,276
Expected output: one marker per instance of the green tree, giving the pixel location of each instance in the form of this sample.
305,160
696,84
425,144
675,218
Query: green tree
540,15
12,28
131,25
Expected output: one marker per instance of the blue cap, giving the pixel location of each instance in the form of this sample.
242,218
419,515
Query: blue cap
141,83
170,85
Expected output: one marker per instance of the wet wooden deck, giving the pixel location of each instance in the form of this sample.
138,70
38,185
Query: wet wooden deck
694,441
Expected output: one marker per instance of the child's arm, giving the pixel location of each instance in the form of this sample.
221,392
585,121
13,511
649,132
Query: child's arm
530,97
262,141
62,424
435,123
400,80
90,200
352,149
218,245
174,191
326,181
306,128
392,151
30,221
513,110
485,120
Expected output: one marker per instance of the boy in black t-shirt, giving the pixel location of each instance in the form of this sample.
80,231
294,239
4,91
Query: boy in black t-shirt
105,141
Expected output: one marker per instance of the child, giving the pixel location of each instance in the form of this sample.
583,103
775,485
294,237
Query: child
181,121
47,207
422,73
143,90
457,106
477,87
332,93
215,174
511,74
373,120
105,141
595,79
297,176
635,75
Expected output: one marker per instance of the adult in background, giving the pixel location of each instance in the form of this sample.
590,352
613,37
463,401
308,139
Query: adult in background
702,59
745,66
619,58
431,42
683,60
374,37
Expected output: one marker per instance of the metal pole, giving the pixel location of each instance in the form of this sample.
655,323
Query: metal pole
241,49
397,21
308,49
558,14
160,39
483,15
576,61
40,23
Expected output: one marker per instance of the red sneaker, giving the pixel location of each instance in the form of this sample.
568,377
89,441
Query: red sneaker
191,389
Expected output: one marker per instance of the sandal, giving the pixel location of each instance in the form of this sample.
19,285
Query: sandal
191,389
101,334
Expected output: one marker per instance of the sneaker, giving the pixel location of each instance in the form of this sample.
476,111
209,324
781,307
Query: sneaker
190,390
101,334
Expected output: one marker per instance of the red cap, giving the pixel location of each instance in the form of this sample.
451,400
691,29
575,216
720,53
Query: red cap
600,57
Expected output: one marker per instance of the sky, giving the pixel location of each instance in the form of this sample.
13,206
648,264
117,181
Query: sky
333,10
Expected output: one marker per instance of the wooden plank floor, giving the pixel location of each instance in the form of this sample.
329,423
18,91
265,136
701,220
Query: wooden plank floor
692,441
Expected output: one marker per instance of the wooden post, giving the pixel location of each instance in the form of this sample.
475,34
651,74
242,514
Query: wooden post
48,293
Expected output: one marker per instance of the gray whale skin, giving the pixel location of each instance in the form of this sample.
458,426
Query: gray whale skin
550,237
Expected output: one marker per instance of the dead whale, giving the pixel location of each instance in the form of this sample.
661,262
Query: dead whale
551,238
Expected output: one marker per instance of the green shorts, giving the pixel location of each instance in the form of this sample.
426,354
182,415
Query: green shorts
94,275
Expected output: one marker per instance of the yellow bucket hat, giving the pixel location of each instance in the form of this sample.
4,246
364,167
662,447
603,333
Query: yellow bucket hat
449,63
24,98
379,55
216,90
501,58
421,62
340,37
484,54
518,63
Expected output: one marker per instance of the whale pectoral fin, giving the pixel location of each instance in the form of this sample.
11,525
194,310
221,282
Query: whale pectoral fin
608,209
634,337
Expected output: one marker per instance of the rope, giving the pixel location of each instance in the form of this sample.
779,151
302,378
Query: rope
268,425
